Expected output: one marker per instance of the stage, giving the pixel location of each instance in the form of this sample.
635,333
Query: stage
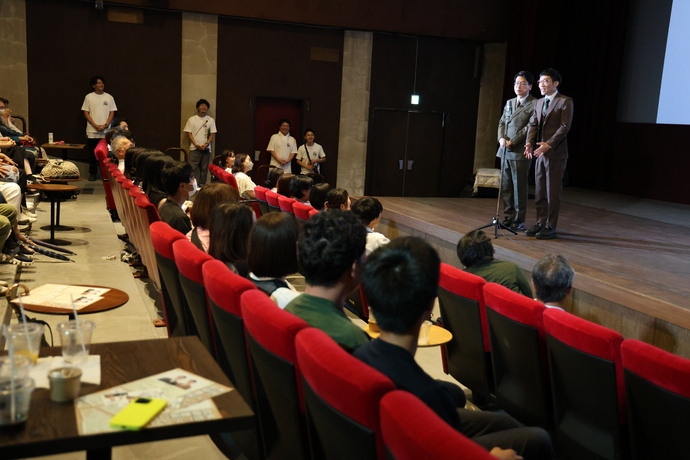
631,255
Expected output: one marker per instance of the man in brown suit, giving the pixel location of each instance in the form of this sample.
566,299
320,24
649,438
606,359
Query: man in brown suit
548,126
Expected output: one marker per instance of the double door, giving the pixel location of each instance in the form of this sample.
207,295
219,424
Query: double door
405,153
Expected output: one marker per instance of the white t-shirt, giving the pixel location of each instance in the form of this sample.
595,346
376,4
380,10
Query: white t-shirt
315,152
374,241
99,107
283,146
244,183
201,128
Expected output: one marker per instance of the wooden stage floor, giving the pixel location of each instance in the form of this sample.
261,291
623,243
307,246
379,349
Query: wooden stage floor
639,261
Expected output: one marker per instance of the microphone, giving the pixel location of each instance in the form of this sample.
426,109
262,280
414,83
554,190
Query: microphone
510,108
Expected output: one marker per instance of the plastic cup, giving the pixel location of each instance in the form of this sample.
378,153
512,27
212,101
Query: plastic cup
26,345
75,341
21,393
22,366
65,383
373,325
424,332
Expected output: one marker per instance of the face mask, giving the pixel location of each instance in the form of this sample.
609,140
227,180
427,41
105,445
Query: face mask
250,166
194,188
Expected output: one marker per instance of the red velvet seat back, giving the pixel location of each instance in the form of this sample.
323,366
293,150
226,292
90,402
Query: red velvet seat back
337,385
518,355
271,335
228,179
469,286
658,397
313,212
272,200
301,210
148,214
189,261
412,431
285,204
162,237
101,152
261,192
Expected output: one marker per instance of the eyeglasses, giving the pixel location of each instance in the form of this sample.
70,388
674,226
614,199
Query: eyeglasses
521,83
543,82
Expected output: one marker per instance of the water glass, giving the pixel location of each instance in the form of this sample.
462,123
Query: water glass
75,341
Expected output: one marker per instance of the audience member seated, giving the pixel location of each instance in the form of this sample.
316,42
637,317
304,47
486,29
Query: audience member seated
283,186
225,160
331,253
274,175
151,177
369,210
243,164
180,186
119,123
477,255
400,281
552,278
338,198
273,256
130,162
120,145
206,201
300,187
139,165
229,231
318,194
10,250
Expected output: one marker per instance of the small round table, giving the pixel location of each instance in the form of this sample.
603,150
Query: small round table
51,191
437,336
112,299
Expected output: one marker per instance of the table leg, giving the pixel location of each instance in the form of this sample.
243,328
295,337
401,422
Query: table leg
57,213
99,454
64,154
52,217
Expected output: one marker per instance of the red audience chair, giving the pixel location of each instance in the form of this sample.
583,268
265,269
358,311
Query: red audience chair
224,289
301,211
148,214
657,386
412,431
177,317
313,212
342,395
101,152
260,193
588,387
285,204
213,169
272,200
228,179
189,261
271,335
518,355
461,301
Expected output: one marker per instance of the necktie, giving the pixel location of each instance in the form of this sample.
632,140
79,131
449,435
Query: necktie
546,107
517,106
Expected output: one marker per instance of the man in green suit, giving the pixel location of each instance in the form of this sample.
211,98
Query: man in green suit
512,132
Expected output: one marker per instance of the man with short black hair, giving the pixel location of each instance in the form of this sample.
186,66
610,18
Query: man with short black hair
200,128
400,281
369,211
99,108
547,141
282,146
552,278
331,252
180,186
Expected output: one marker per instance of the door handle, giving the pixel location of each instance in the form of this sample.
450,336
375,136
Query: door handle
409,165
400,163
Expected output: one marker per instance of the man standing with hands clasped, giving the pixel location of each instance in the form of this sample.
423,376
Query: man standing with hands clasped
548,127
200,128
99,108
282,146
512,132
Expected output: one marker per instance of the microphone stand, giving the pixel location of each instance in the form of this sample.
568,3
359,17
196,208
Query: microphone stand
496,221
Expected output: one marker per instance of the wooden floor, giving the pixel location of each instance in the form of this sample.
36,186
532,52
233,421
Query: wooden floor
640,262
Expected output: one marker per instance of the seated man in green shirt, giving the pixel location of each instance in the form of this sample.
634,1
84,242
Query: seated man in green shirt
477,255
331,253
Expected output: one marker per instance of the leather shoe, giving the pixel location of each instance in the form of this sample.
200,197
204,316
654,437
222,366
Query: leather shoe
517,226
534,229
507,222
547,233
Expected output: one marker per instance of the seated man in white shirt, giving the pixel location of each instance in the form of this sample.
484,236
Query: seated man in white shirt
369,210
552,279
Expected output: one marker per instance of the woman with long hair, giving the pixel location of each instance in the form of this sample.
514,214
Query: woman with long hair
229,231
205,203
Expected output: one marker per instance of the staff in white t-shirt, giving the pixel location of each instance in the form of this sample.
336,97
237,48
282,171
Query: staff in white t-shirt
282,146
99,108
310,155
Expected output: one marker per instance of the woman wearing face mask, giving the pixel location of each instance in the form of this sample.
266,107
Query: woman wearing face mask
243,164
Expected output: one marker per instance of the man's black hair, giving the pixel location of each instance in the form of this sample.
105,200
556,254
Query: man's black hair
95,79
367,209
330,243
174,174
553,73
400,281
552,278
203,101
526,75
475,249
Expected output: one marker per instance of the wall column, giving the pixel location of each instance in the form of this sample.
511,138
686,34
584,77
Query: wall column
13,68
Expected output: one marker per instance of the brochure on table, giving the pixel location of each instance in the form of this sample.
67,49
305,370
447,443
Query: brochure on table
58,296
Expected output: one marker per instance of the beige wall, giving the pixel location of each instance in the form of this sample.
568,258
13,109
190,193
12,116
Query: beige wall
199,66
13,73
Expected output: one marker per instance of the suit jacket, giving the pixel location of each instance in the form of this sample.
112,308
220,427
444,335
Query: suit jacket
553,127
513,126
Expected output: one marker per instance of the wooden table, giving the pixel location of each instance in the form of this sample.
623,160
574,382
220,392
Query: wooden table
111,299
437,336
52,429
65,148
51,191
